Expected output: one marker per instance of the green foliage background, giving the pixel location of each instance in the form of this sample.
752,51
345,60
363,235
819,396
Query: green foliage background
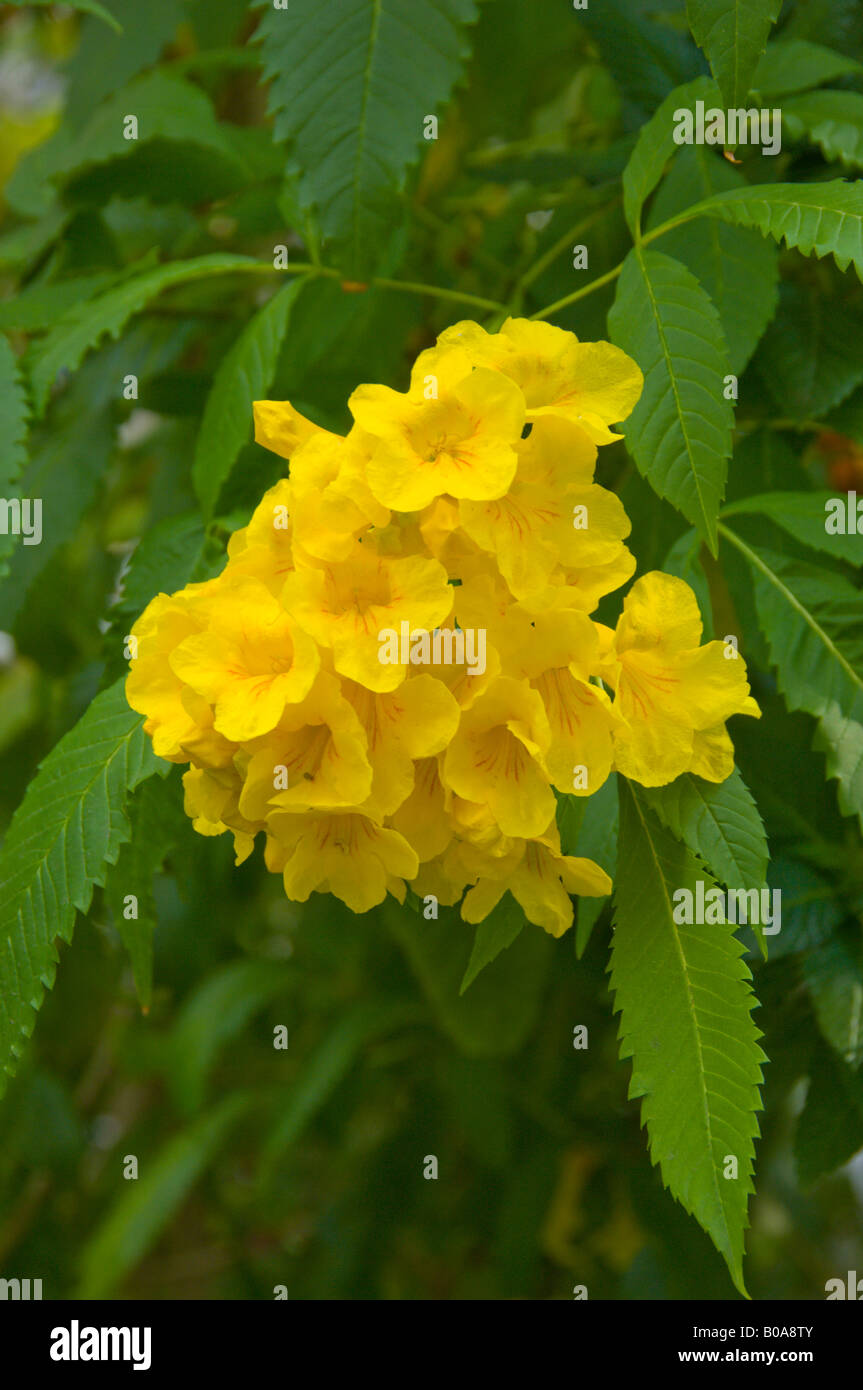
306,129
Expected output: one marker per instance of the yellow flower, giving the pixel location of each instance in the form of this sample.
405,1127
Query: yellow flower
552,514
594,385
422,818
264,549
211,801
673,694
252,660
415,721
314,757
452,433
541,883
344,853
178,721
332,503
497,757
558,652
282,429
348,605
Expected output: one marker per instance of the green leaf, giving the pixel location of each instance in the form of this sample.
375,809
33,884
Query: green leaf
103,63
165,559
69,826
146,1206
831,120
803,516
830,1127
345,96
13,432
39,306
834,978
216,1011
813,622
794,65
811,356
165,106
646,58
245,374
656,145
81,328
82,6
821,219
735,265
500,1010
719,822
685,1000
156,819
499,930
597,840
680,431
733,35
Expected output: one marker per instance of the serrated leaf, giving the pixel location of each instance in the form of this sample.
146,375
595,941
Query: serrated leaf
803,516
821,219
156,820
656,145
146,1206
81,328
345,97
733,35
244,375
735,265
813,622
685,1000
831,120
794,65
499,930
719,822
69,826
680,431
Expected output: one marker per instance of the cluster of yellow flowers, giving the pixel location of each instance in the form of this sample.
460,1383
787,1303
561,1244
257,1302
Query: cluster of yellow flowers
397,666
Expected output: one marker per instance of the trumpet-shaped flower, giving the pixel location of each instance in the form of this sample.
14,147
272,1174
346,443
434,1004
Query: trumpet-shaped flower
348,605
452,433
593,385
252,660
344,853
497,757
674,694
